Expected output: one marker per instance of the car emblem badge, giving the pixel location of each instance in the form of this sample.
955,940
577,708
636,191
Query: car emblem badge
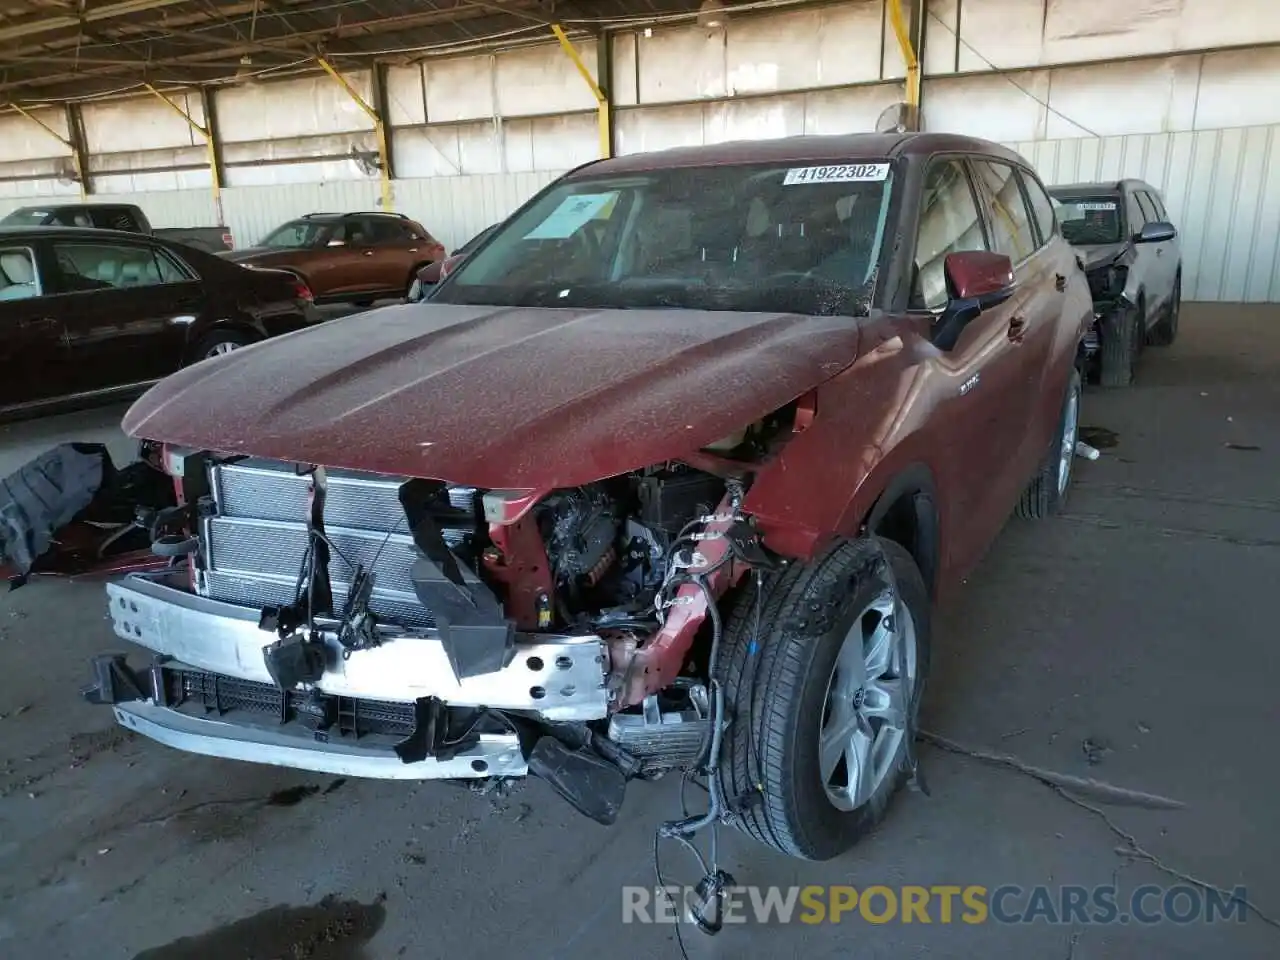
969,384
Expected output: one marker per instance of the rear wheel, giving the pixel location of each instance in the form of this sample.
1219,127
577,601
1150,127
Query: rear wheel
1166,331
221,342
823,670
1046,494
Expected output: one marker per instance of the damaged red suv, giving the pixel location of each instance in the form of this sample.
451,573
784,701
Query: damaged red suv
665,476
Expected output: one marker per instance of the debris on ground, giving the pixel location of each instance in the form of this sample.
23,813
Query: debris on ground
1094,751
1099,790
1069,787
71,511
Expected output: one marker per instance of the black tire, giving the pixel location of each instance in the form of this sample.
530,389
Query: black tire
776,683
1166,331
1046,495
1121,332
221,341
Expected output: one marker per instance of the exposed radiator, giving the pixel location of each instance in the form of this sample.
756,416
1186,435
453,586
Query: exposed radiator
256,542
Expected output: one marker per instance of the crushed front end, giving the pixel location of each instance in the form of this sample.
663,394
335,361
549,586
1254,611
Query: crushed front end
1108,288
367,625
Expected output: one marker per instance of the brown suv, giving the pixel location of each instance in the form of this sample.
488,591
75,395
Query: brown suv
347,257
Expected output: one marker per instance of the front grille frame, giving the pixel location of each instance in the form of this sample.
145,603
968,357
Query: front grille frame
253,537
328,715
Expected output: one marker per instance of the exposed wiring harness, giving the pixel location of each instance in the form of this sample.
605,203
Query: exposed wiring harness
685,564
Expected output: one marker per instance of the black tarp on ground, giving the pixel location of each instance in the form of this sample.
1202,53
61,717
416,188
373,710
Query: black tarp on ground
42,497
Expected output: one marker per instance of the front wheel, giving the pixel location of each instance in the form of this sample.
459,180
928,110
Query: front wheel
823,670
1121,334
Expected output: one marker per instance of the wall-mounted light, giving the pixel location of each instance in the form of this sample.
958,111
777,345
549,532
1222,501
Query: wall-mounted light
712,14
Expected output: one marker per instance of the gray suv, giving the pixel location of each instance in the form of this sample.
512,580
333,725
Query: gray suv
1129,251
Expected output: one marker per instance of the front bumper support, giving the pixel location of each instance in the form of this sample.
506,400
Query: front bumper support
495,755
555,678
393,711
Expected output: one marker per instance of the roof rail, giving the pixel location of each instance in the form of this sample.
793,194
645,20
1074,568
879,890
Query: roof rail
308,216
377,213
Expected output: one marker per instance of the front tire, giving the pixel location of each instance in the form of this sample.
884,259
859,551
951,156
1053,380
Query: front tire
824,695
1046,494
1121,333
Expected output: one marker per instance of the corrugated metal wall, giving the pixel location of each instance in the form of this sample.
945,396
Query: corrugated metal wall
454,209
1222,189
475,135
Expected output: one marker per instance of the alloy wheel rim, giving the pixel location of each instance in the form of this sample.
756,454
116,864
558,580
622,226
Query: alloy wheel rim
218,349
868,703
1070,428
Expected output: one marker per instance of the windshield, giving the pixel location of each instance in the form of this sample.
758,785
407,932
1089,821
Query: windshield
296,233
26,217
802,239
476,240
1087,220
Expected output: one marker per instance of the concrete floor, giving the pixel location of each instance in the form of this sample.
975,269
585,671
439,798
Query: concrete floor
1139,621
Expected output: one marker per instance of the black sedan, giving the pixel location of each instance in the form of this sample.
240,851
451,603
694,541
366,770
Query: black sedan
100,314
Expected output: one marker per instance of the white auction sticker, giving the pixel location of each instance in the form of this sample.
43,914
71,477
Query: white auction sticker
837,173
1092,205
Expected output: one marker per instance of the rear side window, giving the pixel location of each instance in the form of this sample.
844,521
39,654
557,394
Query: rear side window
949,223
71,217
101,266
19,278
387,230
116,218
1041,205
1010,218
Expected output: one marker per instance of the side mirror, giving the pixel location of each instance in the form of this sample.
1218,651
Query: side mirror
1158,231
979,275
449,264
976,280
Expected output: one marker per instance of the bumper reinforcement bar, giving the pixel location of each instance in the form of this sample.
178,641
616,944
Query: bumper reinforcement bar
494,754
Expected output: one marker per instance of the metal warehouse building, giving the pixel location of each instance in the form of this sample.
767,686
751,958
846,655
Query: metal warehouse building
250,112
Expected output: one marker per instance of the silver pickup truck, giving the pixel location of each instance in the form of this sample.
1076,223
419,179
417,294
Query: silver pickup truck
117,216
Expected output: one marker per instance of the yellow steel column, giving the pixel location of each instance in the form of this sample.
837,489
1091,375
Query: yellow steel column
209,146
909,55
379,129
81,173
602,100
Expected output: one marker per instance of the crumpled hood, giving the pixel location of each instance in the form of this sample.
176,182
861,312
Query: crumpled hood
497,397
1098,255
